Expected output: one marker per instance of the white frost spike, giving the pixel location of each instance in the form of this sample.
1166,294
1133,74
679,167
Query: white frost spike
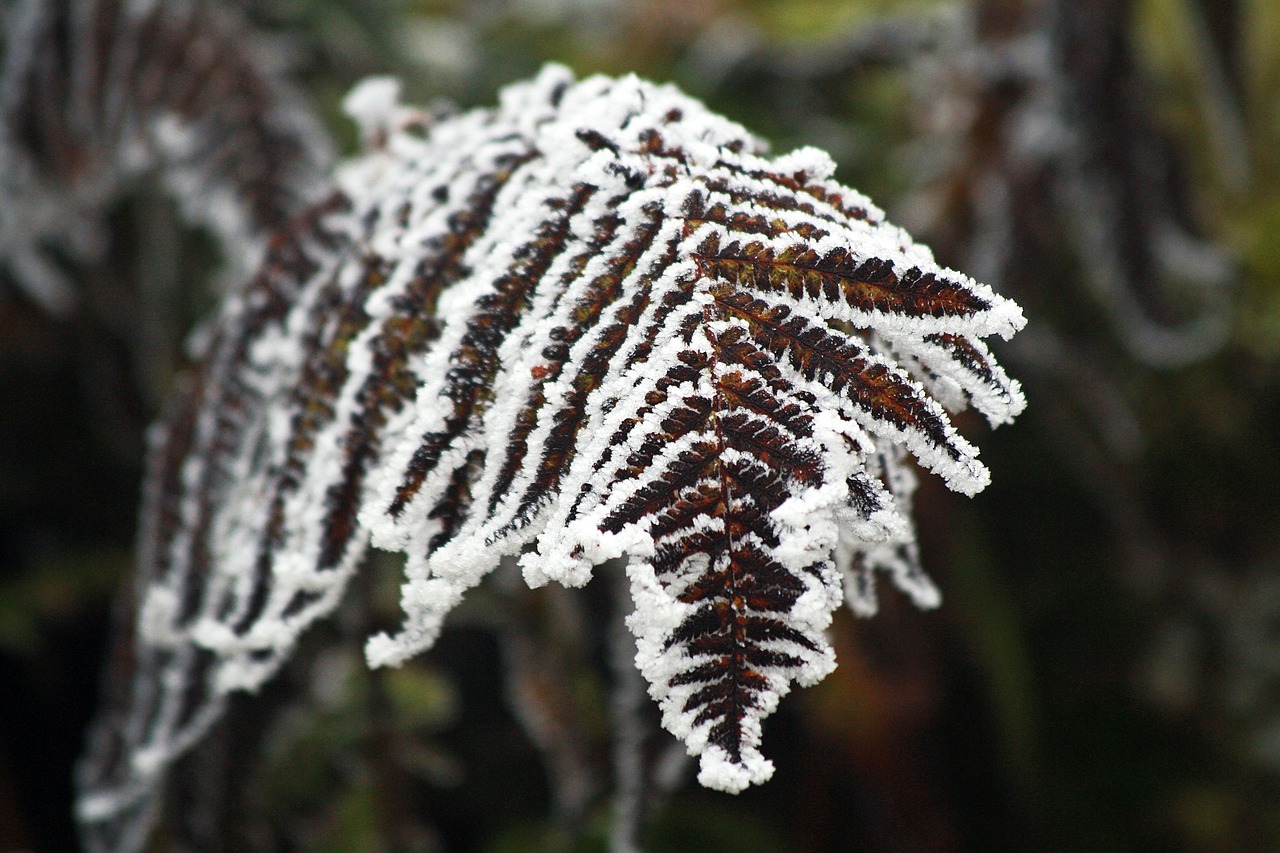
594,321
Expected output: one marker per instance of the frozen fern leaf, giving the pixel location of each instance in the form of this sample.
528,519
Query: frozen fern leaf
593,322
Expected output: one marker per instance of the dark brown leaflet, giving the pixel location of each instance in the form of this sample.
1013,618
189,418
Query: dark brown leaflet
406,333
475,361
171,537
869,285
439,269
713,509
840,363
219,392
569,418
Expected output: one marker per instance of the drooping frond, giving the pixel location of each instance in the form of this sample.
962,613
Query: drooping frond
591,322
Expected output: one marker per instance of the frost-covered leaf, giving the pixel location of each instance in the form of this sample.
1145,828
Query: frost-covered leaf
595,321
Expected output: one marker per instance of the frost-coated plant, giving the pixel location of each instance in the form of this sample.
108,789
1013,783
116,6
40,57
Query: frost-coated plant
594,322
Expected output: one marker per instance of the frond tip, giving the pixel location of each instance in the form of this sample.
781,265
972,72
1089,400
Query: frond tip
595,321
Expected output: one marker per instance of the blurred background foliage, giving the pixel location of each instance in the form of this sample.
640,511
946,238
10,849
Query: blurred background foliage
1105,671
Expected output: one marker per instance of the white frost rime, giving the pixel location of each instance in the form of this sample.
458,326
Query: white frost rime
594,321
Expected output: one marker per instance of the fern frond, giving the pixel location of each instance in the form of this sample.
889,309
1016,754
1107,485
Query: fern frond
595,321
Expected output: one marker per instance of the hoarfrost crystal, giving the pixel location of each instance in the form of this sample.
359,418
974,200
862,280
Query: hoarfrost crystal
595,321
